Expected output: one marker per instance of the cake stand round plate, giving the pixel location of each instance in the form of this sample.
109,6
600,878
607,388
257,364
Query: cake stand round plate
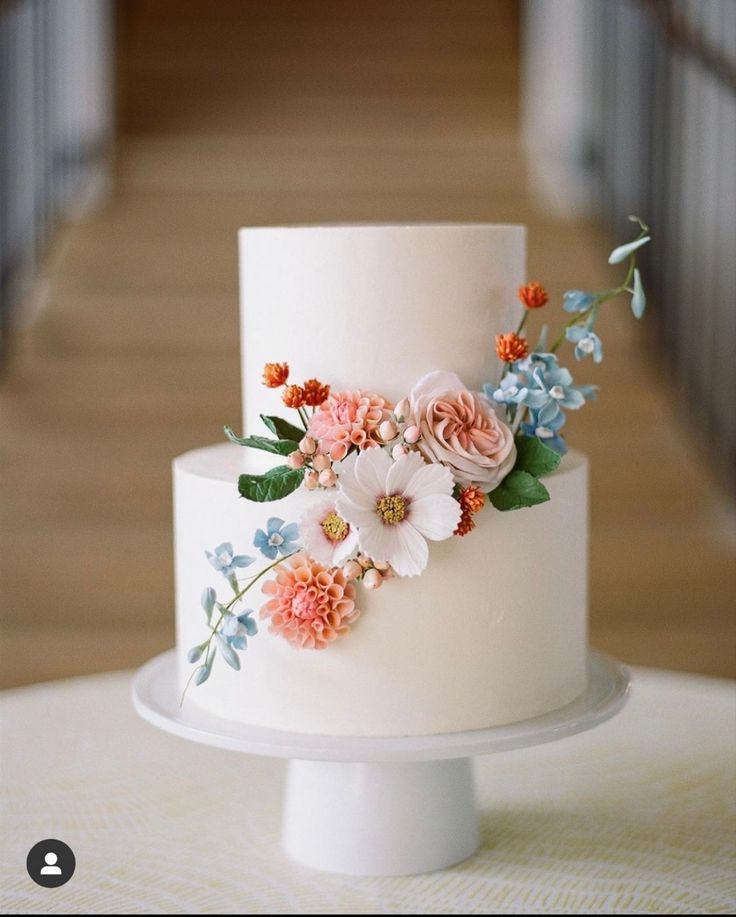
378,805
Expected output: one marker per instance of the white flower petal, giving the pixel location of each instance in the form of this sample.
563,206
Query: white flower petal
357,495
413,554
436,516
428,480
402,471
357,514
381,542
371,469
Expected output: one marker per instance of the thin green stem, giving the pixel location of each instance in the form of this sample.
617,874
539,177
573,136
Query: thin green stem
225,609
254,579
580,317
522,323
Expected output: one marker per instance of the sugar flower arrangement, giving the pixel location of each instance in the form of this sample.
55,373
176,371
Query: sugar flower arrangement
388,478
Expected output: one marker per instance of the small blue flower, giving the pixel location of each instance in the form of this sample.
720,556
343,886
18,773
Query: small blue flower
586,343
278,538
511,390
548,433
225,562
237,628
552,390
577,300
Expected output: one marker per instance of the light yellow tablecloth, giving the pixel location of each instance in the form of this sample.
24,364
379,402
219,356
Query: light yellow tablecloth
636,816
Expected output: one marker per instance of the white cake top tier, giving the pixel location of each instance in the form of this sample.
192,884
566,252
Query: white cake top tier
375,307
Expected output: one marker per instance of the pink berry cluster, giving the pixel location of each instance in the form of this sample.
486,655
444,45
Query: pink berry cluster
396,431
320,472
371,572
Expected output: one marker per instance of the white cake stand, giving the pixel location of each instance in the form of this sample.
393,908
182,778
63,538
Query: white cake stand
378,806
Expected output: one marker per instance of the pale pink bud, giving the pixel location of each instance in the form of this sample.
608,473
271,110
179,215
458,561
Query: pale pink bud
412,435
311,480
388,430
365,561
398,450
372,579
402,409
381,565
352,569
308,446
320,462
295,460
327,478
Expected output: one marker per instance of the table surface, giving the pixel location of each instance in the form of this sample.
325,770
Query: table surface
635,816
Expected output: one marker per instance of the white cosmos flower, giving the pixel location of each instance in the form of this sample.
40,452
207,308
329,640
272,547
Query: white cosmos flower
327,537
396,506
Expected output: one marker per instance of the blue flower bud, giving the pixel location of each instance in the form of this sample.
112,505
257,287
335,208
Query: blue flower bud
195,654
623,251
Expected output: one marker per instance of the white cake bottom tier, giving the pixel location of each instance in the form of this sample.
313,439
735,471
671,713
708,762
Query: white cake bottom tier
494,631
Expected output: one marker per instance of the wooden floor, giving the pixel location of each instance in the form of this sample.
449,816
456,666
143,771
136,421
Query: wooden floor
238,113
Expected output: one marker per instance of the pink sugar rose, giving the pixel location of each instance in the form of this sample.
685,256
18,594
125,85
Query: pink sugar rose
348,419
462,430
310,605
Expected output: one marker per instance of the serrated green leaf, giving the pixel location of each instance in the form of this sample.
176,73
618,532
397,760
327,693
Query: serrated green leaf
276,484
282,428
518,489
533,456
274,446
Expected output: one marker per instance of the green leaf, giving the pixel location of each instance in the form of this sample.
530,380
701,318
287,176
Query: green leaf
518,489
275,446
282,428
279,482
533,456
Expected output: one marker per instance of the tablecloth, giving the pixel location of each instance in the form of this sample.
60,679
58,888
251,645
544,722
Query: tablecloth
635,816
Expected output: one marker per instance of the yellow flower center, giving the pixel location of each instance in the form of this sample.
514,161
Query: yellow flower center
335,527
391,509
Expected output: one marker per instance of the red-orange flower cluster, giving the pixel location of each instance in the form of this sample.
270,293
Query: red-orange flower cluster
315,392
275,374
533,295
511,347
472,500
293,396
466,524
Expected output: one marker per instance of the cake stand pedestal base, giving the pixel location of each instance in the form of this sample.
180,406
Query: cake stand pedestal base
380,818
372,805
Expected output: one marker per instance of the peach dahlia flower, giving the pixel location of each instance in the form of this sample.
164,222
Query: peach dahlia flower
310,605
346,419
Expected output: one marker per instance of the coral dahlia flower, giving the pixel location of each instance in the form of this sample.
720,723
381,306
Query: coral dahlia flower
310,605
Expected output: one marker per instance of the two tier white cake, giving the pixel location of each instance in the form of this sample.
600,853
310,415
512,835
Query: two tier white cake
494,629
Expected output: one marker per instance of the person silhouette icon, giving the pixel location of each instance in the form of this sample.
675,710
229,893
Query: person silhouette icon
50,869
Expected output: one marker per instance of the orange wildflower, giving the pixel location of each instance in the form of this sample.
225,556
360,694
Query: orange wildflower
293,396
472,499
466,523
510,347
533,295
275,374
315,393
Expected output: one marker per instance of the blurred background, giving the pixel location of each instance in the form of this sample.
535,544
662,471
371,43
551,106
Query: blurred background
138,136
